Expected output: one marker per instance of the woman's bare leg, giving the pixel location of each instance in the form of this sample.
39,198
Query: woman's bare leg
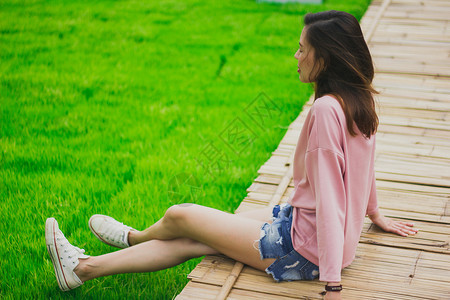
230,234
149,256
186,231
261,214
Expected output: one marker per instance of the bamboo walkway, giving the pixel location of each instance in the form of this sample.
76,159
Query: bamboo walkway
410,43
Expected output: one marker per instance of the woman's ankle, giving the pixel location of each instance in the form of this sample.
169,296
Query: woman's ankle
84,269
133,237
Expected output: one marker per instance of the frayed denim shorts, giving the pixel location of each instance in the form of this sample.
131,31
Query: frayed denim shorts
275,242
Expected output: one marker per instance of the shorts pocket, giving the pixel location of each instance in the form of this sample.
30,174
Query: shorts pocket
310,271
293,266
271,241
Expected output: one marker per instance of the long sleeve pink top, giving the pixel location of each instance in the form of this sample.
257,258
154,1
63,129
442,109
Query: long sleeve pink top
334,189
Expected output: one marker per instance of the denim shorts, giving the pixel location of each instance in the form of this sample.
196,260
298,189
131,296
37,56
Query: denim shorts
275,242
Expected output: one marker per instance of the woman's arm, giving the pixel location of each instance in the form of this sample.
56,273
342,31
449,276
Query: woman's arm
390,225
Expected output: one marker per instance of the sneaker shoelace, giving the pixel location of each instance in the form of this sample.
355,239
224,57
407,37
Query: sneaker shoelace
116,231
70,254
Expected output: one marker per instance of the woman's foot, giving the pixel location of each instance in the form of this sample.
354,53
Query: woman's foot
64,256
110,231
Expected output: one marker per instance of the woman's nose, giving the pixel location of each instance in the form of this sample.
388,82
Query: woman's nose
296,54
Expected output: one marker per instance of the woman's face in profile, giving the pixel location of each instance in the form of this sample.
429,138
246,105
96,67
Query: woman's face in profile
305,58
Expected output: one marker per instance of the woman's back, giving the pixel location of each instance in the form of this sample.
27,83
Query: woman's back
333,177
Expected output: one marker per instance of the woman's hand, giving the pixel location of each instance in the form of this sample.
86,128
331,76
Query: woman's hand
333,296
390,225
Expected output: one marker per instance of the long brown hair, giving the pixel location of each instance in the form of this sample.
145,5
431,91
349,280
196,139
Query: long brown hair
346,67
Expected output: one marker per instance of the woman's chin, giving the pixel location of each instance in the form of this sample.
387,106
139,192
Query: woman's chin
303,79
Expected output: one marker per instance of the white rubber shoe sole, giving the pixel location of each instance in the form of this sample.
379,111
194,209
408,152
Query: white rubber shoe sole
66,278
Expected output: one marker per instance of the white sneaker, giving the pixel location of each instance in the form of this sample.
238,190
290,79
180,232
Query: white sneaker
64,256
110,231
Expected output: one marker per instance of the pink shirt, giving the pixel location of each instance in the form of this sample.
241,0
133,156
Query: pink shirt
334,182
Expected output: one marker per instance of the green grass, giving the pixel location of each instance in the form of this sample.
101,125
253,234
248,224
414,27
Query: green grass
108,107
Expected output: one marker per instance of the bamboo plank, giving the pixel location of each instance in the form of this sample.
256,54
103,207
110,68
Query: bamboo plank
416,216
407,81
361,274
262,188
394,175
381,39
414,189
413,93
416,60
270,179
231,279
413,141
405,169
425,3
427,230
369,34
431,246
367,252
431,28
418,123
400,65
437,24
412,202
195,290
412,12
413,131
396,52
415,150
386,102
412,112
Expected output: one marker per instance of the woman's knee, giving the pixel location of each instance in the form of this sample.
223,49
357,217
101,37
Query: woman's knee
178,213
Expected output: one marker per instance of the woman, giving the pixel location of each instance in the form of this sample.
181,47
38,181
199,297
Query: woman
317,232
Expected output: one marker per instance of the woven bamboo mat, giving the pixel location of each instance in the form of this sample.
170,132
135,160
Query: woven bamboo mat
410,44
